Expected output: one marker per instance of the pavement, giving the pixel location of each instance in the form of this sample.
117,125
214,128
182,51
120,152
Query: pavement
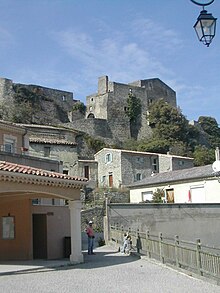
108,271
25,266
15,267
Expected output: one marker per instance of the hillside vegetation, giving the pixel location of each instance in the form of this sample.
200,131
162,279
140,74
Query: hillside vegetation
172,133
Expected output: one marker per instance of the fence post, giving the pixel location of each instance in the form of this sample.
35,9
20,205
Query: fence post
116,234
161,247
148,243
129,231
122,234
138,241
198,257
177,242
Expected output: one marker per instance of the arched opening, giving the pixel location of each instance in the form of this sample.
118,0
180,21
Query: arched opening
91,115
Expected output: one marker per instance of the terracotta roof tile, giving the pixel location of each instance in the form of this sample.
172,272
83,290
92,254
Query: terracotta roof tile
22,169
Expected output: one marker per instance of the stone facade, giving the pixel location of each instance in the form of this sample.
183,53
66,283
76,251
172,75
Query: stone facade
55,143
54,105
118,168
106,115
106,119
110,104
89,170
15,148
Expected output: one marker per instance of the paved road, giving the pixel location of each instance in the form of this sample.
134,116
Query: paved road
107,271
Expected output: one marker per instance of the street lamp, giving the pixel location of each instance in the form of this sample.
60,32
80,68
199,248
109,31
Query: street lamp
205,25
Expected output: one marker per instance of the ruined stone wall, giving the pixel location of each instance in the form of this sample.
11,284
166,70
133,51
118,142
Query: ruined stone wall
6,89
108,107
52,106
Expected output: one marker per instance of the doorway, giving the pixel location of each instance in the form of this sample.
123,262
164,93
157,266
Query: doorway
170,195
110,179
39,236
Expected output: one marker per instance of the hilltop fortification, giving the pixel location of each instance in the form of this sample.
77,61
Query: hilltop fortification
107,111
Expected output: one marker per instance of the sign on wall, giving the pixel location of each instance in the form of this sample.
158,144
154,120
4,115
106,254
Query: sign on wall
8,228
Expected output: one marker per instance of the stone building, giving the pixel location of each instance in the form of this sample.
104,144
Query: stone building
33,212
63,145
55,143
106,115
15,148
118,168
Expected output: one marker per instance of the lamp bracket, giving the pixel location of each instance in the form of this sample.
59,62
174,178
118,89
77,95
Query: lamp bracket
202,3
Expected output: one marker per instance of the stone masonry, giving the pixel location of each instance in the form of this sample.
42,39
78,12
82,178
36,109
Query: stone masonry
105,117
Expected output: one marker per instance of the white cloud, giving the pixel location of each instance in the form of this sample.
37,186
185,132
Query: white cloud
156,35
122,60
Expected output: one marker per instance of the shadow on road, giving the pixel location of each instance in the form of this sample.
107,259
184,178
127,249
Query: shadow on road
104,256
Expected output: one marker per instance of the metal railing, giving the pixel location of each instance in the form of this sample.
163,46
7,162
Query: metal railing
189,256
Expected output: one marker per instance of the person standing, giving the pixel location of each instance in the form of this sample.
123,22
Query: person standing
91,236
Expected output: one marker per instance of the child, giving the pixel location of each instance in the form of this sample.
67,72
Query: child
125,243
128,246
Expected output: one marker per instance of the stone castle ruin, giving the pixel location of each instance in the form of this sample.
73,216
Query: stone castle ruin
106,116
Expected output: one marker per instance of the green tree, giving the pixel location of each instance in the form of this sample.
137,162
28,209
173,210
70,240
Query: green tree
157,196
94,143
203,156
210,127
154,145
134,107
130,144
79,106
168,122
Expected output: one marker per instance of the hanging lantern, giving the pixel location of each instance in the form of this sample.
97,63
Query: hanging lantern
205,27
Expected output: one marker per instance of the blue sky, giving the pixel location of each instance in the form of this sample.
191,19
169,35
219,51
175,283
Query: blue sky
68,44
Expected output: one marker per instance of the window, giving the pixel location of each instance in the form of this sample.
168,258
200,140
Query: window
150,101
103,181
197,194
147,196
108,158
8,227
86,172
154,164
9,145
36,201
138,177
66,172
46,151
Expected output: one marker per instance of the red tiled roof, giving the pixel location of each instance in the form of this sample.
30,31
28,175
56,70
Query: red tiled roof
22,169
